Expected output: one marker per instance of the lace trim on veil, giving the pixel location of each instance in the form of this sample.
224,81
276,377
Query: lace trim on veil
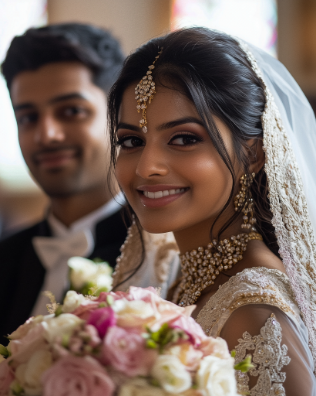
288,205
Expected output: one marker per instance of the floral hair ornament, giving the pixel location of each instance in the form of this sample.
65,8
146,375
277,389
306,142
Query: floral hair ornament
144,92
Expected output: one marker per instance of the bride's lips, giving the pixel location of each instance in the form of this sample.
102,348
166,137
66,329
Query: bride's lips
160,195
55,158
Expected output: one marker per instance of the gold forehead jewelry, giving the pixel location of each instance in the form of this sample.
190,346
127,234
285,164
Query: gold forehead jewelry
201,267
144,92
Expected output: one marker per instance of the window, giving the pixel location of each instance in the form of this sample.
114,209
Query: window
254,21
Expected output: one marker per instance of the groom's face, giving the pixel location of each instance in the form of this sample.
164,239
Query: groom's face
61,117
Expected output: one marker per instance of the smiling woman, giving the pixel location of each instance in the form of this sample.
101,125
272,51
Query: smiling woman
213,146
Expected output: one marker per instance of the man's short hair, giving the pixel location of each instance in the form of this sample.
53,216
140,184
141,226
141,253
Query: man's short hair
93,47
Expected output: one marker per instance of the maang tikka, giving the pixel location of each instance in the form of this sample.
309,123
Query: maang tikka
144,92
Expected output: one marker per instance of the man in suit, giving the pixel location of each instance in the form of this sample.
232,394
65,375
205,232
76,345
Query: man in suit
58,77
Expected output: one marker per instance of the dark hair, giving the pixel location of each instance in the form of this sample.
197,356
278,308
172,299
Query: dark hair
212,71
95,48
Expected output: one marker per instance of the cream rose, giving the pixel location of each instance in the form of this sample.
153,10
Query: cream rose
84,270
72,301
216,377
188,355
102,276
29,374
171,374
140,387
128,310
215,347
63,324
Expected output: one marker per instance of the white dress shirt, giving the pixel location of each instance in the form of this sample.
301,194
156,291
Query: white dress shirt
66,242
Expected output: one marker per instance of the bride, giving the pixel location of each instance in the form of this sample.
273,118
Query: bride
214,141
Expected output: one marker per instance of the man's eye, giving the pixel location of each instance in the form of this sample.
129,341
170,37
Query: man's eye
26,119
129,142
184,140
74,111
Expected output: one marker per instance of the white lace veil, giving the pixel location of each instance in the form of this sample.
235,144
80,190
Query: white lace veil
289,137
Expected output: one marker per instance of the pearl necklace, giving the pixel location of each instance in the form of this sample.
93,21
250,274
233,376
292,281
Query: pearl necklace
201,267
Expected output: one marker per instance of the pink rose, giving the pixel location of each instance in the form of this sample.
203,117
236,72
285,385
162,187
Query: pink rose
102,319
147,294
165,311
191,328
127,352
22,349
77,376
215,347
6,377
103,297
84,310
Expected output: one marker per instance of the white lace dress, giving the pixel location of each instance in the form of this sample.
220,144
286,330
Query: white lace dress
256,314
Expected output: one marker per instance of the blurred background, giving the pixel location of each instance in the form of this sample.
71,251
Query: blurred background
284,28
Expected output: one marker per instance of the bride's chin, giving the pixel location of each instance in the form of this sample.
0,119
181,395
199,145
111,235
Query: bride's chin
155,228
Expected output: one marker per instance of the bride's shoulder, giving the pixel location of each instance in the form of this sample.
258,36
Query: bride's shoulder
257,285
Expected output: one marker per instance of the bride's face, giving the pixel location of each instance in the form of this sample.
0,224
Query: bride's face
172,176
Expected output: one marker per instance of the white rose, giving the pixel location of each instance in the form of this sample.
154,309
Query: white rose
140,387
216,377
127,310
171,374
29,374
72,301
82,270
63,324
102,276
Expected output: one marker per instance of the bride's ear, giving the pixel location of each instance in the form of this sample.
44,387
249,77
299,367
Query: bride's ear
255,154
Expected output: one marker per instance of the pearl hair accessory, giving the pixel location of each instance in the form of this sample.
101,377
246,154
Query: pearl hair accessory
201,267
144,93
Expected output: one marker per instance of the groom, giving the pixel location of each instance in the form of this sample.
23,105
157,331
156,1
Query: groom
59,77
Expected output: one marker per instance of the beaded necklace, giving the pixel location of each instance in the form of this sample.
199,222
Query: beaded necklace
201,267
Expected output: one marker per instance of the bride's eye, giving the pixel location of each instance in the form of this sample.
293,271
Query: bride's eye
129,142
185,139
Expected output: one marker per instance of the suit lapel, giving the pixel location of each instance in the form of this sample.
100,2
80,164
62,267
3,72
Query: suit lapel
28,281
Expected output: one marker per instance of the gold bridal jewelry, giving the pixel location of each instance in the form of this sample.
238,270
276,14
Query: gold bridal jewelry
202,266
144,93
243,202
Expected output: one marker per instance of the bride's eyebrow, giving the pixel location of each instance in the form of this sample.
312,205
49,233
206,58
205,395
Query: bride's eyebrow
124,125
164,126
180,121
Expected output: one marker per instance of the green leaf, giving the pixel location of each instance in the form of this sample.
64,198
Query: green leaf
65,340
151,344
16,388
59,310
110,300
245,365
98,260
233,353
4,351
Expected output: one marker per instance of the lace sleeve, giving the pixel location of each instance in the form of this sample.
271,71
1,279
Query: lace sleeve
282,362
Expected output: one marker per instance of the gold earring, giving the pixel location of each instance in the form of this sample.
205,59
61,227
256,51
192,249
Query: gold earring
243,202
144,93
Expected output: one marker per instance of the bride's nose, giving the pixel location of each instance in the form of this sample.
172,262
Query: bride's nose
152,162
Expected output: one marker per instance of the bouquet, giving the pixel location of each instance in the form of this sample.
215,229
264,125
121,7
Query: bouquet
124,344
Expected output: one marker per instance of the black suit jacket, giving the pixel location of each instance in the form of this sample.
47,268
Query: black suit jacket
22,273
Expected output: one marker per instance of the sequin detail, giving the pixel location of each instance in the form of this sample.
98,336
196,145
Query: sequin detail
268,358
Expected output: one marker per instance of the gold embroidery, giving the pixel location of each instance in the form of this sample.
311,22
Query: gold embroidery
257,285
